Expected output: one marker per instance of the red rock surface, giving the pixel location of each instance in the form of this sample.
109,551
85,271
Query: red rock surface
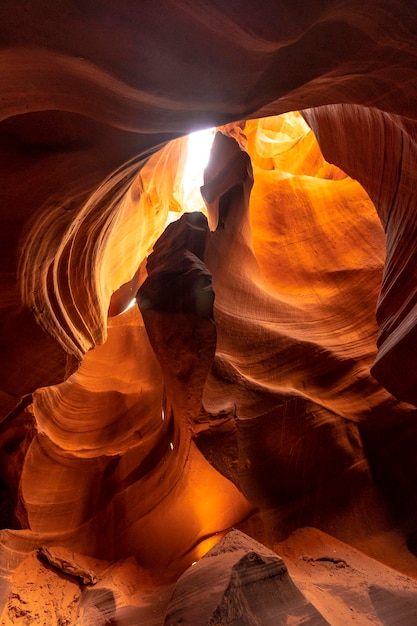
268,380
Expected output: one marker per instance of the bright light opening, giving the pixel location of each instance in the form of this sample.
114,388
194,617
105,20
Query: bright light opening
198,153
129,306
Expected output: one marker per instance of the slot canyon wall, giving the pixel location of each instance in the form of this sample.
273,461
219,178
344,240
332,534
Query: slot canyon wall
239,447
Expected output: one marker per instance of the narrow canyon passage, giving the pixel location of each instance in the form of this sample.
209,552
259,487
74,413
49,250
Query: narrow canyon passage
208,379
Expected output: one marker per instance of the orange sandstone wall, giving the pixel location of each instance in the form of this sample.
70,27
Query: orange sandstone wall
279,400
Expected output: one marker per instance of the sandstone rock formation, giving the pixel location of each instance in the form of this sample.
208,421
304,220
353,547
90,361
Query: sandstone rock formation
267,379
244,582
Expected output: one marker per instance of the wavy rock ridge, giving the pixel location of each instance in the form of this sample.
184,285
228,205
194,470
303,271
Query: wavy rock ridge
267,379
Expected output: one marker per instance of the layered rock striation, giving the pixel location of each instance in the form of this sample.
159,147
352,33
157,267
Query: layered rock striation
265,377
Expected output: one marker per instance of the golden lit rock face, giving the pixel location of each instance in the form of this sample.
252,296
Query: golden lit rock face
267,378
391,192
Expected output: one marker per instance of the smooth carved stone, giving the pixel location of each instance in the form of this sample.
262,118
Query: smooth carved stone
179,282
176,302
184,287
244,583
189,232
90,90
229,167
339,129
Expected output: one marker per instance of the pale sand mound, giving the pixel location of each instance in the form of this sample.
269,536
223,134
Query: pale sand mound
345,585
124,594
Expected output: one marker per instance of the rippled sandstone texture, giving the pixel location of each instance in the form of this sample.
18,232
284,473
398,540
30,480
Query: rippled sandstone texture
267,380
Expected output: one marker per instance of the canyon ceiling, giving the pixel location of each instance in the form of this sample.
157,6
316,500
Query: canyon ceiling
265,379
